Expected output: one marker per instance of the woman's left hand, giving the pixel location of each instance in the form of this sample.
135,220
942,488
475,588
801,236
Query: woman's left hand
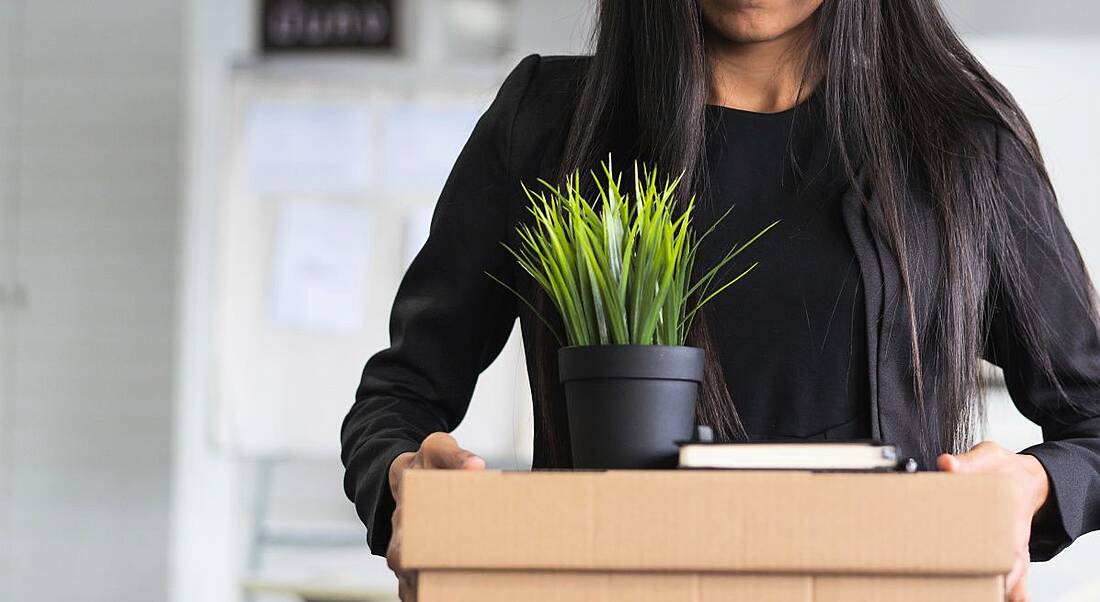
1031,486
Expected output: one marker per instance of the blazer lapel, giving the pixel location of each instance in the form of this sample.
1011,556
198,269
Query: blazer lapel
859,232
897,417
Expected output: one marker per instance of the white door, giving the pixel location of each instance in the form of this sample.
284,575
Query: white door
87,438
7,265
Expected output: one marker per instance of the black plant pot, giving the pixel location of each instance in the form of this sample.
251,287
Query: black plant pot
629,404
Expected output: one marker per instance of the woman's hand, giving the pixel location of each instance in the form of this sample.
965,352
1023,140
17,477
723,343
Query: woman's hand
439,450
1031,486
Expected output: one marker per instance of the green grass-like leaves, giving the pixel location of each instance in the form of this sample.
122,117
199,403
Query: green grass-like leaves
619,271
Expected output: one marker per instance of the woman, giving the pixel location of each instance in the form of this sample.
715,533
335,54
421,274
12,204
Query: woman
920,234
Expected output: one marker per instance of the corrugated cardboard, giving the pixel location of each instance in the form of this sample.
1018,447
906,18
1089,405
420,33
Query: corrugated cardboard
859,588
706,535
562,586
613,586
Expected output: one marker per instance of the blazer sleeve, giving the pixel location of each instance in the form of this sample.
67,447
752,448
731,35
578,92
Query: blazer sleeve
1067,409
449,319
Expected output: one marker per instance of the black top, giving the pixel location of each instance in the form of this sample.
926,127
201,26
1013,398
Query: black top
450,320
791,335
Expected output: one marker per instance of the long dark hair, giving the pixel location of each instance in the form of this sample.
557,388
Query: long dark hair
899,89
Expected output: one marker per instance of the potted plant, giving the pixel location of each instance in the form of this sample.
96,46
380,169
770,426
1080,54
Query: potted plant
620,272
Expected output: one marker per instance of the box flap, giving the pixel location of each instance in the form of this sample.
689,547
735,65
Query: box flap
927,523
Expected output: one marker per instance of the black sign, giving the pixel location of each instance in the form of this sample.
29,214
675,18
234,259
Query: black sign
305,25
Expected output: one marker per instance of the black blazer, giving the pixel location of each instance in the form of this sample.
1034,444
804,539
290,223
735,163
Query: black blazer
450,320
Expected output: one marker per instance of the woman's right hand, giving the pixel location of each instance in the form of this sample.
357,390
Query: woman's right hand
439,450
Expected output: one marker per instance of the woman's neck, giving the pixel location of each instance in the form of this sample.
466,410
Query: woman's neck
762,77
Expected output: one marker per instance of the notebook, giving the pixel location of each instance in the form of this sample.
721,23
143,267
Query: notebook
770,455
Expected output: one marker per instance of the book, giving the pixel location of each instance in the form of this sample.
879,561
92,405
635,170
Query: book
773,455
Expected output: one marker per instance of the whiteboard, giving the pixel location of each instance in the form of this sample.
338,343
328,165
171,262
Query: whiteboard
321,208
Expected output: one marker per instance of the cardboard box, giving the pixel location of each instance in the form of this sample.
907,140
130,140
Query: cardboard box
706,535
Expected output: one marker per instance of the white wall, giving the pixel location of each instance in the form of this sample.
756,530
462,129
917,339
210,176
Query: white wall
1053,18
207,549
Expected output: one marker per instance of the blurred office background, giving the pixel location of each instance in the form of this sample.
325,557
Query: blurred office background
200,239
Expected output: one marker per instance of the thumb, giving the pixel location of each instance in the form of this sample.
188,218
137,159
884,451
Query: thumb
951,463
463,459
473,461
442,451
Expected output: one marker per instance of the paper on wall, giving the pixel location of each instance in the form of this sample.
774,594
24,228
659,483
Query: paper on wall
320,267
421,144
298,147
